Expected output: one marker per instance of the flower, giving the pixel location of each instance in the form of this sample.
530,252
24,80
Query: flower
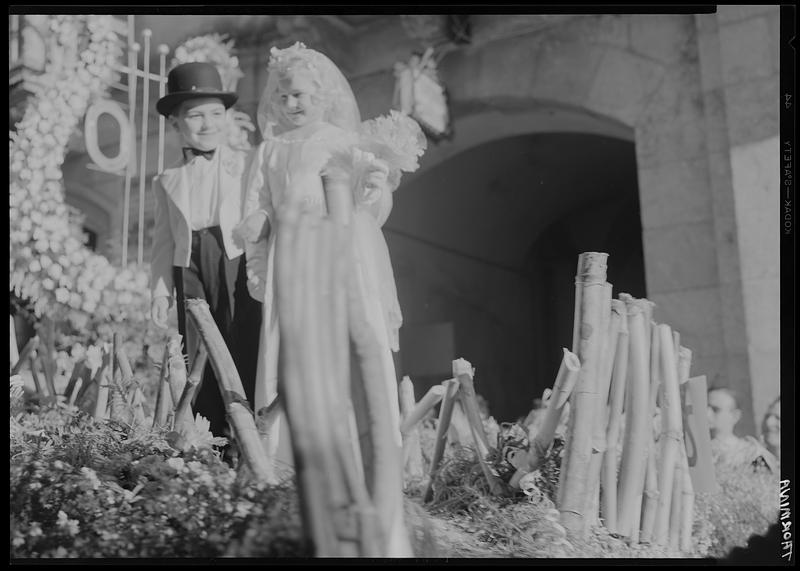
201,436
71,525
396,138
42,226
176,463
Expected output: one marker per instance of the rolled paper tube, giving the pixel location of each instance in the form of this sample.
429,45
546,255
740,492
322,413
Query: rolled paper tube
41,390
648,307
599,443
312,451
14,350
445,413
27,350
138,406
177,370
431,399
93,381
183,410
388,482
74,394
163,396
574,486
576,323
47,371
310,476
676,344
341,238
412,452
608,507
230,387
687,512
102,397
655,366
464,373
637,426
122,362
684,364
29,347
330,411
672,433
650,499
77,371
565,381
651,493
495,487
675,517
637,520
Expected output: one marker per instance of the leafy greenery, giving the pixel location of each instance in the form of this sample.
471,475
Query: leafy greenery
82,488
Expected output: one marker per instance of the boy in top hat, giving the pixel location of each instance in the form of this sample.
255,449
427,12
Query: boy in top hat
195,252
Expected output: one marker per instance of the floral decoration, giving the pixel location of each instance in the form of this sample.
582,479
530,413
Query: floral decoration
51,269
395,138
52,273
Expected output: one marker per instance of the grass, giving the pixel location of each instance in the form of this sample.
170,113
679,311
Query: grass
98,489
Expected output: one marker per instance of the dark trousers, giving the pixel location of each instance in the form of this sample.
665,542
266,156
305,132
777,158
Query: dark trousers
222,283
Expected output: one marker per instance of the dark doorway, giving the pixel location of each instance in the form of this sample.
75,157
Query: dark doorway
489,239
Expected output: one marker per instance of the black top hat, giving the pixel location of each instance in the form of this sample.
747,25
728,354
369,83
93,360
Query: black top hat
190,81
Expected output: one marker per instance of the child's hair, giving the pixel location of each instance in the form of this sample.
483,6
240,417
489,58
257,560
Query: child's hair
287,65
333,91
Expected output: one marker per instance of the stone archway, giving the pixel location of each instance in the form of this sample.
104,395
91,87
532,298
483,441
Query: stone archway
650,78
486,242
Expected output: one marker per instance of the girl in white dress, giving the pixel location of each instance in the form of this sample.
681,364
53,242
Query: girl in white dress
307,114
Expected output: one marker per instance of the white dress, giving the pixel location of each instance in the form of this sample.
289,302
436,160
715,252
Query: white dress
288,168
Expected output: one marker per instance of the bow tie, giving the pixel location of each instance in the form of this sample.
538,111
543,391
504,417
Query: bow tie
190,152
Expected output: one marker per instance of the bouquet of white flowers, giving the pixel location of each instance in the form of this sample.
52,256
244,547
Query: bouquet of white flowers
396,139
387,146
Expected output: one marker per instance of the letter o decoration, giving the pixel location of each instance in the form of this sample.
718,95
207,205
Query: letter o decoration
112,108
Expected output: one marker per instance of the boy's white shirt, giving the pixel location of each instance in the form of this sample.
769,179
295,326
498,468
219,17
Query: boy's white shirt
205,191
172,239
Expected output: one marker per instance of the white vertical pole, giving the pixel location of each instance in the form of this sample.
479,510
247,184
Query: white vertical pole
146,33
163,50
14,35
133,50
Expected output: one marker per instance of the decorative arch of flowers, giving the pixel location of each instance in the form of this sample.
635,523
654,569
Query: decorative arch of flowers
53,274
50,267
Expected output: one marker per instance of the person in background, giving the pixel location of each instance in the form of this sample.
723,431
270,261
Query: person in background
771,429
198,201
727,448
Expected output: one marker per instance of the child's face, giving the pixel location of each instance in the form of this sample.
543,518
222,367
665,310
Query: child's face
202,122
296,98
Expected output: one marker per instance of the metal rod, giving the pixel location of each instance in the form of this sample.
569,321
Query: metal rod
146,33
132,62
163,50
139,73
